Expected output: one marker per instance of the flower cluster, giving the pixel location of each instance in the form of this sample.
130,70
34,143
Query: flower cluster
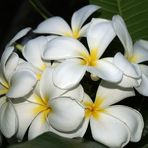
40,80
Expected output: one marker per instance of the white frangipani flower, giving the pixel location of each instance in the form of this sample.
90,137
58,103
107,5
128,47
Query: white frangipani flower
112,125
50,109
134,54
77,59
57,25
33,51
14,84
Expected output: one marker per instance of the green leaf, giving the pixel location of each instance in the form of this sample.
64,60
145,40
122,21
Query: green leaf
134,12
51,140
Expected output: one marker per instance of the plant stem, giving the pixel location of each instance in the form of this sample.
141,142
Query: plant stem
40,8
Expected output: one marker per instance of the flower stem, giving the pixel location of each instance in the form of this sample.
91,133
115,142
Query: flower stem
40,8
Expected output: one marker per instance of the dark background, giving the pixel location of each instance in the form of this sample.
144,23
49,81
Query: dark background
18,14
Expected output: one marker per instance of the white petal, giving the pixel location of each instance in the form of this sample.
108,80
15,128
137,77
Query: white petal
54,25
2,78
129,69
63,48
83,30
110,131
19,35
86,99
110,93
62,120
99,35
26,113
106,70
49,90
37,127
78,133
33,51
68,74
143,87
10,66
2,100
75,93
129,82
81,15
22,83
8,120
144,69
140,51
7,52
123,34
131,117
82,128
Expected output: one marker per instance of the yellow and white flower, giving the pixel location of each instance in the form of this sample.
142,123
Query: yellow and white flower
57,25
135,74
50,109
77,59
14,84
112,125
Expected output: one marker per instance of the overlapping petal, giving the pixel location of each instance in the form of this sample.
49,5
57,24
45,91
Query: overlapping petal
81,15
111,93
78,133
99,35
128,69
8,119
64,121
142,88
22,83
54,25
7,52
26,113
63,48
129,82
106,70
110,131
49,90
131,117
11,65
38,127
140,53
76,93
33,51
68,74
123,34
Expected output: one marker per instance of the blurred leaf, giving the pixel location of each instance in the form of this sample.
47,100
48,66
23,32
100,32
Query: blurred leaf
54,141
40,8
134,12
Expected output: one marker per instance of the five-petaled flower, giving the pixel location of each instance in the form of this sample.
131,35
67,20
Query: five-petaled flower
58,26
112,125
78,60
136,74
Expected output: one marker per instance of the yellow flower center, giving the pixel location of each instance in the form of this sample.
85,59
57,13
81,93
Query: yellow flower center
5,88
76,34
94,109
43,107
39,74
90,59
133,59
